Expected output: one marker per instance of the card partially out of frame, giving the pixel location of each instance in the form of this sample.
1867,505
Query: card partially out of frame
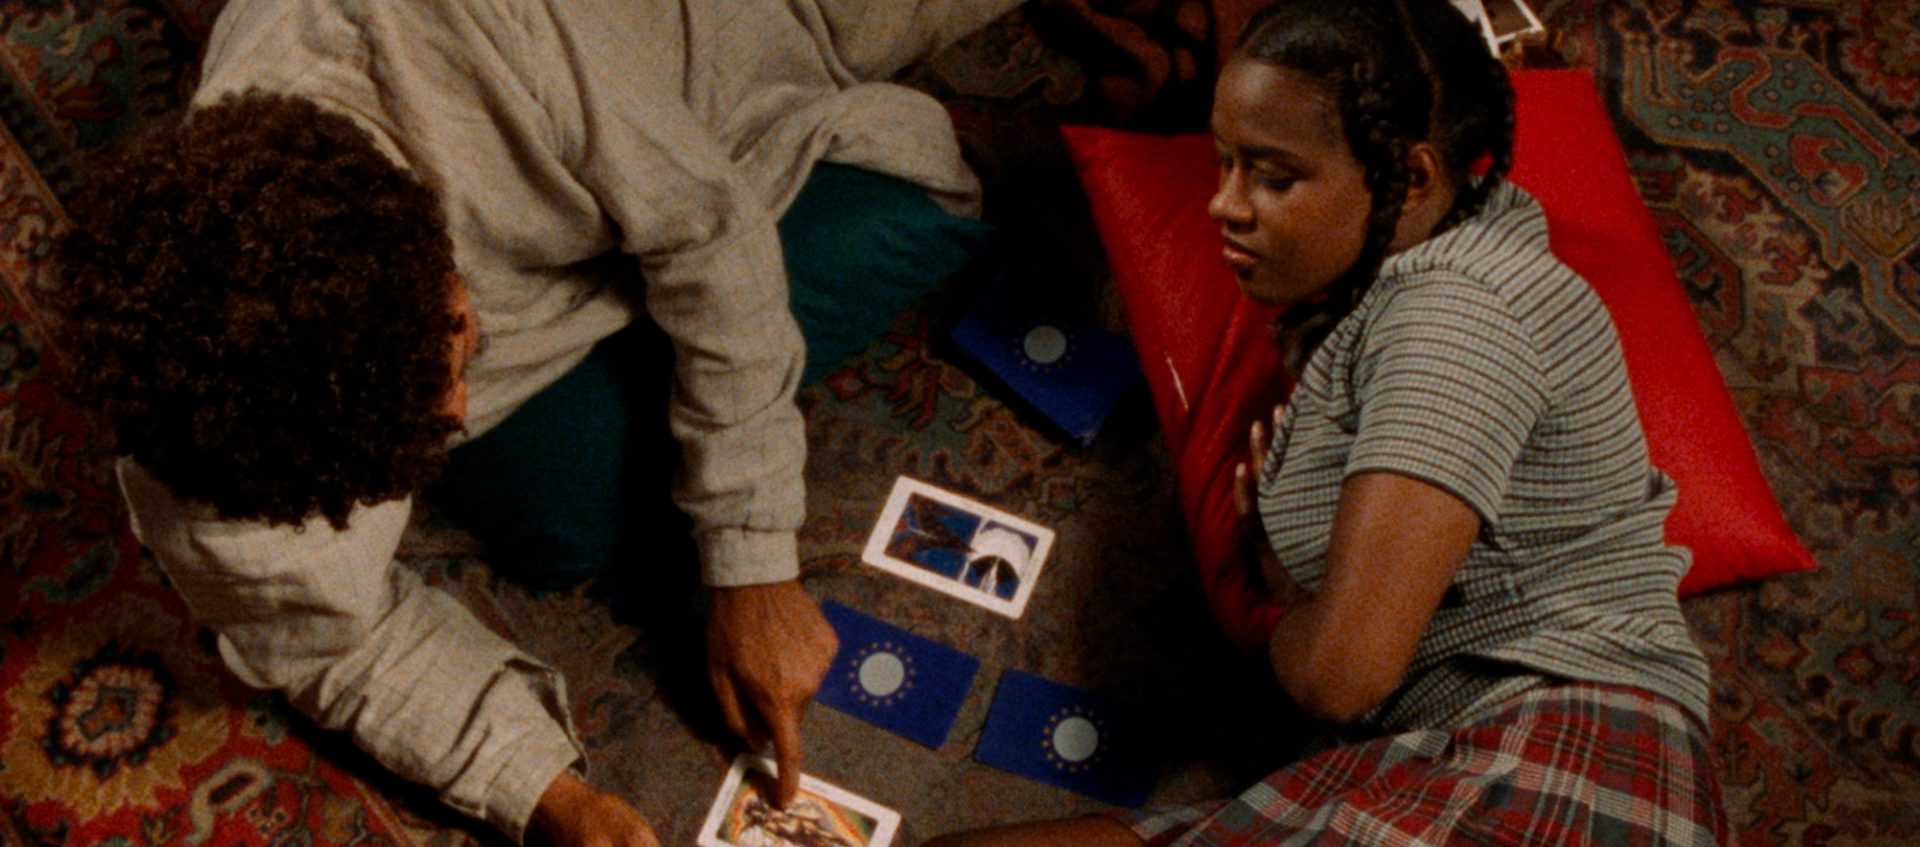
1510,19
1477,13
823,815
1500,21
956,546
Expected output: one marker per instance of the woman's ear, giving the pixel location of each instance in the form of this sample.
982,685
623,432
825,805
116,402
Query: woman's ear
1430,195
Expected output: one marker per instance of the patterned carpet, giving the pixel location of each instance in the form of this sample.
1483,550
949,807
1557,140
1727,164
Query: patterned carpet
1778,145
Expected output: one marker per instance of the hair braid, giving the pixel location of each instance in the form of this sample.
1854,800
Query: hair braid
1383,152
1474,115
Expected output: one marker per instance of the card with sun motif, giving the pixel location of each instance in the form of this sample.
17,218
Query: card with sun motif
956,546
823,815
1065,366
1067,737
904,683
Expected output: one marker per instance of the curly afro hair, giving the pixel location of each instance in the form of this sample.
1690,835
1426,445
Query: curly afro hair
262,306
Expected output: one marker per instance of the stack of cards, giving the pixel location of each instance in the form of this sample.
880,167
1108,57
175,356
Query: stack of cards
743,815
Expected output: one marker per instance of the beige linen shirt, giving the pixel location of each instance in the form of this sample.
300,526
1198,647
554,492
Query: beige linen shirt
362,646
592,156
581,146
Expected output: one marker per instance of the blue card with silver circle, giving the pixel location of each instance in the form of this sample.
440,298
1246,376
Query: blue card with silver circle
904,683
1068,368
1064,736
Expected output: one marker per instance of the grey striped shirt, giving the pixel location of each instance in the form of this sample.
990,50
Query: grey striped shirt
1480,364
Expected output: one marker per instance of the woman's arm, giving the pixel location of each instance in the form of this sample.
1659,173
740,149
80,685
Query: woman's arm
1396,544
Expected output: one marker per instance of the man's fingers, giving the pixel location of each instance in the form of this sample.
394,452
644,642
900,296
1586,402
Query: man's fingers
784,722
756,734
573,814
640,835
772,646
628,828
731,709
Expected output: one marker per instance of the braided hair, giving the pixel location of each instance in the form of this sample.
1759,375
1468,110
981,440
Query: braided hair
1400,72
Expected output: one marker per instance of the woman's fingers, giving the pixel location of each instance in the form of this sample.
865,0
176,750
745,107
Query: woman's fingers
1242,491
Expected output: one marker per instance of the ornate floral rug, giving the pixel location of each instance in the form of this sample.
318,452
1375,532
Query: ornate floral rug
1777,143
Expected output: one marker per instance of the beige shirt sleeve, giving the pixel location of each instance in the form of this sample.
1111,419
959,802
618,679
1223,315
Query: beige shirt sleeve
706,240
362,646
693,159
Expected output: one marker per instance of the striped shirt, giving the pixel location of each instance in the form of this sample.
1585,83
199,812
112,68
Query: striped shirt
1480,364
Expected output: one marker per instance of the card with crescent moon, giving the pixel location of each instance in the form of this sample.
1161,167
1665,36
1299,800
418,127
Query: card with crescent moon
958,547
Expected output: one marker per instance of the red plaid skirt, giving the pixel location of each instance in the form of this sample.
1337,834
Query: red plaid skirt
1571,764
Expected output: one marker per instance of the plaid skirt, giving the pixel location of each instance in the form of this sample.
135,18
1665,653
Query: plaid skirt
1566,764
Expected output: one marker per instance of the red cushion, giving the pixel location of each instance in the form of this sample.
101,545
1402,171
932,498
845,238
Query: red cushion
1212,368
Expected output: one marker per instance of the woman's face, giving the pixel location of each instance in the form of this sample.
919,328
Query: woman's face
1293,201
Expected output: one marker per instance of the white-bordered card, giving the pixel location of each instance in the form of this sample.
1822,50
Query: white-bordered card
1510,19
956,546
821,815
1476,11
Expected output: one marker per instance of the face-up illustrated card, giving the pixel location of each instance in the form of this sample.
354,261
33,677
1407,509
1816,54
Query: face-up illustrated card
954,545
822,815
894,679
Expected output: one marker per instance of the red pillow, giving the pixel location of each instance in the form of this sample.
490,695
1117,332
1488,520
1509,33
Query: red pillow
1211,367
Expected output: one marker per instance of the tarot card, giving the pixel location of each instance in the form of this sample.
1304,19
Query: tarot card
1476,11
895,679
822,815
1510,19
1066,736
956,546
